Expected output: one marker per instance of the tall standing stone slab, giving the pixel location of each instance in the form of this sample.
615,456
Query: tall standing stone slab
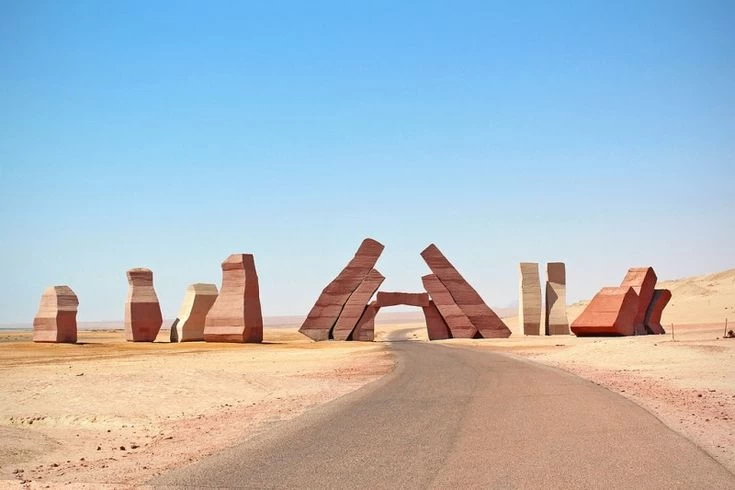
364,331
611,312
356,305
189,324
143,317
235,315
459,325
436,327
661,298
643,281
529,298
328,307
484,320
56,320
556,321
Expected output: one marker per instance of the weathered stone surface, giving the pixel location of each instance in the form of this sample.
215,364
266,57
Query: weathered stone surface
364,331
356,305
611,312
388,298
189,324
459,325
556,320
436,327
143,317
643,281
56,320
661,298
236,315
464,296
325,312
529,298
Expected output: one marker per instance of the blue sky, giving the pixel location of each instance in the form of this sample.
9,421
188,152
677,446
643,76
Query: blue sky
171,134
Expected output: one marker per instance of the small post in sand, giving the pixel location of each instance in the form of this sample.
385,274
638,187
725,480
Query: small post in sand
724,336
672,333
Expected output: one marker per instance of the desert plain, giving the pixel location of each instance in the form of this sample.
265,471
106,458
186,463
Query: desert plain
106,411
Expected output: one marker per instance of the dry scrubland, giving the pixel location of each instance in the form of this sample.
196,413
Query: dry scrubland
148,407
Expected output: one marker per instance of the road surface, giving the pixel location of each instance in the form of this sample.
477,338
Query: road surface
454,417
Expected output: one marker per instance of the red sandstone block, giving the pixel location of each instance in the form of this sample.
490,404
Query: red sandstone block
661,298
356,304
611,312
459,325
325,312
436,327
643,282
365,329
236,315
143,317
56,320
409,299
483,319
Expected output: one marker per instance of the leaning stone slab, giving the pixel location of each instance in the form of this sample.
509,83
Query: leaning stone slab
365,329
436,327
661,298
56,320
356,305
484,320
459,325
529,298
643,281
389,298
143,317
556,321
611,312
189,324
235,315
325,312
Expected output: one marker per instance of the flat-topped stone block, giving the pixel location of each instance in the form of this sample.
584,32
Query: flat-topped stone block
529,298
56,320
189,324
612,311
389,298
556,321
143,317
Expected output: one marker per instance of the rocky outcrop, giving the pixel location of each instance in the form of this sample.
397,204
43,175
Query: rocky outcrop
56,320
556,321
143,317
235,315
529,298
189,324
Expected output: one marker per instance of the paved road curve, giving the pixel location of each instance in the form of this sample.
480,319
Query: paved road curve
451,417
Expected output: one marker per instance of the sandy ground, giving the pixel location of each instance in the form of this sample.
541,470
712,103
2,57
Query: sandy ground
107,411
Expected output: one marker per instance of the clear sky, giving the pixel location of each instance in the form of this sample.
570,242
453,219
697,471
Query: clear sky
171,134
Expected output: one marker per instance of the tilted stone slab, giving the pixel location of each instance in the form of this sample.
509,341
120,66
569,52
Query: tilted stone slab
529,298
325,312
189,324
661,298
235,315
436,327
643,281
556,320
356,305
364,331
458,323
485,320
143,317
56,320
389,298
611,312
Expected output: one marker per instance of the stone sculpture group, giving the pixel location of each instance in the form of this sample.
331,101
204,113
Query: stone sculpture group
452,308
529,301
633,308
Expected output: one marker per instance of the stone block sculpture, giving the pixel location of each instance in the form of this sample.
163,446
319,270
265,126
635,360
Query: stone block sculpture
634,308
483,319
556,321
235,315
457,321
356,305
56,320
143,317
390,298
328,307
365,329
529,298
436,327
189,324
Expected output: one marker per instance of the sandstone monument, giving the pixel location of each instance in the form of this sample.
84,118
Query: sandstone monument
143,317
189,324
56,320
556,321
452,308
529,298
235,315
634,308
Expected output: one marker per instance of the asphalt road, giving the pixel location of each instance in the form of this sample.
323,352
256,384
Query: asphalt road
451,417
